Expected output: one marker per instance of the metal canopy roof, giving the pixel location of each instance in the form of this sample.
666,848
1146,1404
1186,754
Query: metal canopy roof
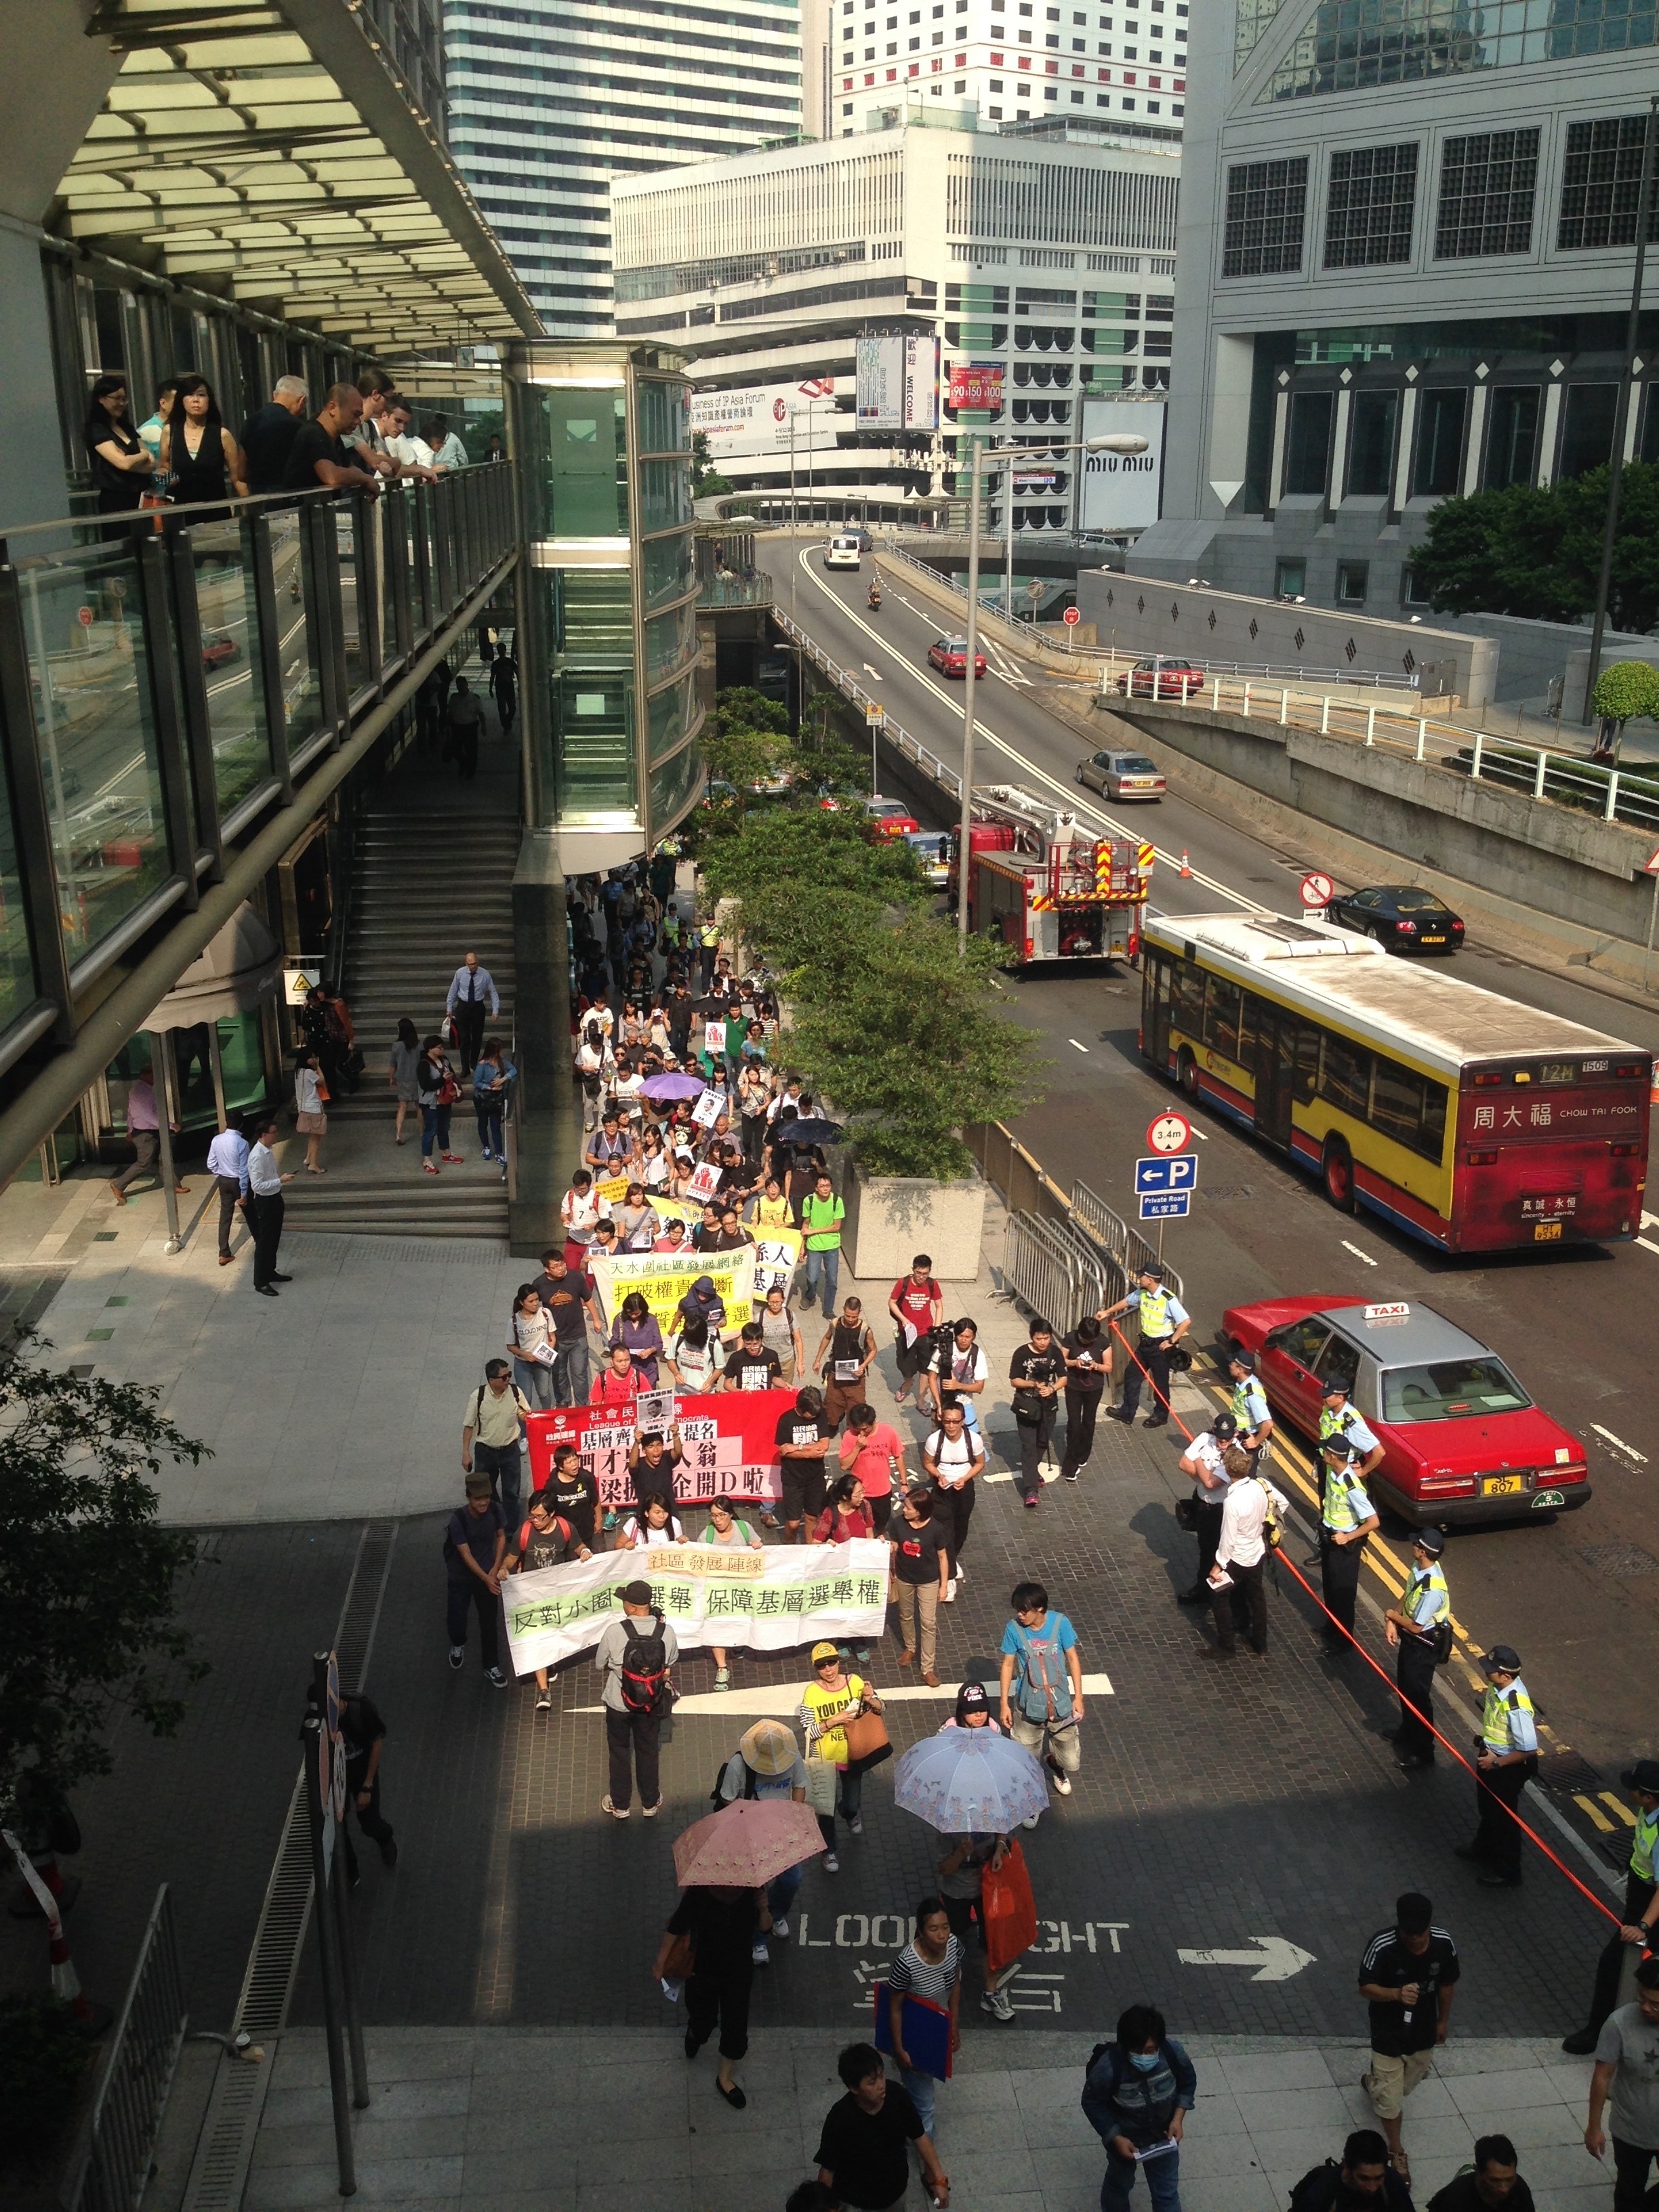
275,154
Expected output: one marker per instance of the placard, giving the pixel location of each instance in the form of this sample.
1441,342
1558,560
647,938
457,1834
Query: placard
727,1435
714,1038
709,1107
777,1255
664,1278
773,1599
705,1182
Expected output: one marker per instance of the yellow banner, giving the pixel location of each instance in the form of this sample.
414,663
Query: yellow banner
664,1278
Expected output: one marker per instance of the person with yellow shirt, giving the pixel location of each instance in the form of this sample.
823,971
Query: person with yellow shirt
830,1700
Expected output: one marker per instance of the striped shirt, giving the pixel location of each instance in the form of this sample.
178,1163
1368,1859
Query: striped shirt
911,1975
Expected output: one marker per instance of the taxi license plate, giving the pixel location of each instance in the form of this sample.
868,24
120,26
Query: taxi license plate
1503,1485
1547,1232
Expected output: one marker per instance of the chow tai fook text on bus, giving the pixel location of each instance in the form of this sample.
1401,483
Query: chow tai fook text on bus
1477,1124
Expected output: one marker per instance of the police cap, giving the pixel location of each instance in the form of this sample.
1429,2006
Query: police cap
1502,1659
1336,1388
1239,1358
1223,1426
1430,1541
1643,1776
1153,1268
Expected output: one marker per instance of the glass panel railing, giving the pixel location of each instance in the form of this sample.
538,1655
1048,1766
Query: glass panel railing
299,630
346,539
19,986
389,567
222,561
89,674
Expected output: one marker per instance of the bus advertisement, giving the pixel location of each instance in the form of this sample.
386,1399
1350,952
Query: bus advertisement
1476,1123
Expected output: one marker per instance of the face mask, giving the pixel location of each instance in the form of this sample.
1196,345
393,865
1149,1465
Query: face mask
1143,2061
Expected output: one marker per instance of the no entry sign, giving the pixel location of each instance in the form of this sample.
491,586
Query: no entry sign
1317,890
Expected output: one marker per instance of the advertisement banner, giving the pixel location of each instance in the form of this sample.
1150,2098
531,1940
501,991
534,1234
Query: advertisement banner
976,385
880,383
1122,491
921,383
769,1600
664,1278
754,421
728,1437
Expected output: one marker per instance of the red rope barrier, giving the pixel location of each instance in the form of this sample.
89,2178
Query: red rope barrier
1599,1904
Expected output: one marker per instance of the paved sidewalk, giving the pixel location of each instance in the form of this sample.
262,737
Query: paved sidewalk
498,2120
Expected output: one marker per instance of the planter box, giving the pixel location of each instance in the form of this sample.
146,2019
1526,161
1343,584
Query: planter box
889,1219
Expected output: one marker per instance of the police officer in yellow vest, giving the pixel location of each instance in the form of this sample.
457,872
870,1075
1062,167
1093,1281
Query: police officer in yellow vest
1414,1627
708,944
1641,1904
1248,1406
1348,1450
1507,1758
1164,1321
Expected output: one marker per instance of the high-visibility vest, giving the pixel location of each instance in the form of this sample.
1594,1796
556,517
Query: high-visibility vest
1432,1579
1334,1424
1641,1844
1155,1313
1247,1396
1495,1712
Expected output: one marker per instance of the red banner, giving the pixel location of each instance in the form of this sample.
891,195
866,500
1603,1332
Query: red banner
728,1435
976,385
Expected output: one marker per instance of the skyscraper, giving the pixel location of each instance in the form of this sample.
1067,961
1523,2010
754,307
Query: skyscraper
549,99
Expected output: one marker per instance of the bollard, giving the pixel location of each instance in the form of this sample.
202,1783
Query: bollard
1247,702
1538,779
1284,709
1370,726
1325,716
1422,735
1474,764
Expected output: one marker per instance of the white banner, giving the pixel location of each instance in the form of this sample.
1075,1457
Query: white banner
768,1600
922,384
1122,491
880,392
754,421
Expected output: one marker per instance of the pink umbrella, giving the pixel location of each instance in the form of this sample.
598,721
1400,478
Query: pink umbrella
745,1843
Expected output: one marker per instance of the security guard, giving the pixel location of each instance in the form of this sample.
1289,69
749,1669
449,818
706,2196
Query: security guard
1164,1321
1641,1904
1413,1627
1507,1757
1250,1407
1349,1451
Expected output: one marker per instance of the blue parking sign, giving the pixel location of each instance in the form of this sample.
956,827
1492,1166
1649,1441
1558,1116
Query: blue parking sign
1175,1171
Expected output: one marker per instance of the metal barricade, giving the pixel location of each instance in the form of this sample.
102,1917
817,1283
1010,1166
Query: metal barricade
1127,1248
1051,1271
138,2070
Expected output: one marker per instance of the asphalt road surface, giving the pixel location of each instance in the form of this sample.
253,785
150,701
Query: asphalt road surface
1577,1594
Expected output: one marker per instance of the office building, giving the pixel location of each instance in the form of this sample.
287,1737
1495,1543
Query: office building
548,102
1052,258
1406,237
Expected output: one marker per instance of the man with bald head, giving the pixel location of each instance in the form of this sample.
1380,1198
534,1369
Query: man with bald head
319,454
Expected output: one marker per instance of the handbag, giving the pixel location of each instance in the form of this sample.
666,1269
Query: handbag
680,1960
1007,1910
867,1742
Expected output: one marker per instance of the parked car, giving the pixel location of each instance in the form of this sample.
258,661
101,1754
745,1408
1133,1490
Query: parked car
841,552
891,817
932,849
950,656
1461,1439
217,650
1161,679
1401,917
1121,775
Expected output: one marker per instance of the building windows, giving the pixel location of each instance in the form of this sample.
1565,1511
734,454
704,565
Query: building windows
1290,580
1307,452
1352,577
1369,206
1371,444
1586,429
1439,442
1486,186
1512,439
1602,183
1265,204
1346,46
1411,593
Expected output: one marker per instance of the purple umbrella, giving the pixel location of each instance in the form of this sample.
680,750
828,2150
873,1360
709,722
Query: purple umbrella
673,1086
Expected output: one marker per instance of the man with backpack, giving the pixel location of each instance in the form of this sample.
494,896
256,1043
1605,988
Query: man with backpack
490,1432
1136,2095
1363,2182
634,1655
1041,1647
545,1539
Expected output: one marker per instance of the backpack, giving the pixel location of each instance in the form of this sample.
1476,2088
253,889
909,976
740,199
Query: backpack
1045,1650
749,1778
644,1684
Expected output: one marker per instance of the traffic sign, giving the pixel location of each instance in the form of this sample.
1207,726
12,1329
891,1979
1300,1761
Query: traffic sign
1169,1132
1165,1204
1317,890
1072,617
1651,868
83,615
1179,1173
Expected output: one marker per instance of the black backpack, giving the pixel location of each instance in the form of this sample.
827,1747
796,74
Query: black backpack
644,1683
749,1781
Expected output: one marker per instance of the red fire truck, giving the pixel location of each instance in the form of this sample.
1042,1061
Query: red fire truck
1046,889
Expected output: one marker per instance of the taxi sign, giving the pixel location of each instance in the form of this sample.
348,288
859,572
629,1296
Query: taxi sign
1169,1132
1317,889
1397,1310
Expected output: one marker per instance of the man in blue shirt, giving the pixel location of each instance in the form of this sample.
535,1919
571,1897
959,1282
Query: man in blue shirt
1164,1321
1348,1451
227,1163
1414,1628
1039,1653
469,987
1506,1760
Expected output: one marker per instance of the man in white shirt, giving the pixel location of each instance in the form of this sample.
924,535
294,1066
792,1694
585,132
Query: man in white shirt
265,1208
413,455
448,451
1204,1461
368,440
951,1457
227,1163
960,1370
1240,1600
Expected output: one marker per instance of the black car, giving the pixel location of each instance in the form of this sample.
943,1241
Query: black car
1404,917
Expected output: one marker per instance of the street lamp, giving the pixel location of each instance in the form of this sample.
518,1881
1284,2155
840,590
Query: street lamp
1118,441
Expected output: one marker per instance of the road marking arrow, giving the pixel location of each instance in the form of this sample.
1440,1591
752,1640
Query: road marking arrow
1275,1961
874,674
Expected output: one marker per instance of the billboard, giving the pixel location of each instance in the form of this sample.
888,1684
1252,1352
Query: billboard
1121,491
897,383
754,420
976,385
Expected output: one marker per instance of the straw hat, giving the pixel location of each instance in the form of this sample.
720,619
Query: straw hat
768,1748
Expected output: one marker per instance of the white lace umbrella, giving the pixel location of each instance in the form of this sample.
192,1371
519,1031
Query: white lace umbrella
968,1781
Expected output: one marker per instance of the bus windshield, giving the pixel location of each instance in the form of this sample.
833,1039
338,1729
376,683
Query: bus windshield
1451,1390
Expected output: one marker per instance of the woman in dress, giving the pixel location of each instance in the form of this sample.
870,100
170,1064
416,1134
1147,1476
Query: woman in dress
310,1099
403,1072
122,465
531,1347
198,450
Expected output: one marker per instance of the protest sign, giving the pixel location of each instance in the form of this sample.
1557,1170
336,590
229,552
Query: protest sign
655,1410
728,1437
705,1182
713,1036
664,1278
777,1254
708,1110
611,1192
769,1600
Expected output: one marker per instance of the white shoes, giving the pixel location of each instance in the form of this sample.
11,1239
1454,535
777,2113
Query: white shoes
950,1592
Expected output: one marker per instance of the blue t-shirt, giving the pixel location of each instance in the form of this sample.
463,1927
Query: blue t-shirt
1041,1673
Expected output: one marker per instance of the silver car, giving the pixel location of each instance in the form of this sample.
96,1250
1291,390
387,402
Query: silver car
1121,775
932,848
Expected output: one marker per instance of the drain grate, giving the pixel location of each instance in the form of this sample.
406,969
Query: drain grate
1568,1770
1620,1562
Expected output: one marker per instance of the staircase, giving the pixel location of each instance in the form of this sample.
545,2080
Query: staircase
431,881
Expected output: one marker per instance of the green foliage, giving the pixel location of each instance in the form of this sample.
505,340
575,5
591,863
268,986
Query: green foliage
88,1579
745,757
1538,553
836,765
1629,687
702,461
714,486
740,707
43,2057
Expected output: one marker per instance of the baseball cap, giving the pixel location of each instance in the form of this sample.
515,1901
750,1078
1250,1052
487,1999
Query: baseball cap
822,1651
1502,1659
1430,1541
1644,1775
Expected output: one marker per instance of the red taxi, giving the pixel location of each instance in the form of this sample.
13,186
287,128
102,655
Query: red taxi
890,818
950,656
1462,1440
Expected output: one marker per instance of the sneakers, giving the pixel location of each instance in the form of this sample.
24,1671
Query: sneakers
1032,1822
544,1701
495,1677
997,2003
780,1930
1031,1503
723,1678
457,1655
1071,1473
758,1953
1581,2042
961,1574
950,1592
455,1160
856,1824
486,1154
1062,1782
650,1811
427,1168
616,1812
831,1864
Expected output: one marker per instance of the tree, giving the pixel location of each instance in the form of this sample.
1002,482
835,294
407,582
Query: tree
740,707
88,1580
1538,553
1627,689
744,758
707,481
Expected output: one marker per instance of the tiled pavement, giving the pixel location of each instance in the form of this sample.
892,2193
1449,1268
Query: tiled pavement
500,2120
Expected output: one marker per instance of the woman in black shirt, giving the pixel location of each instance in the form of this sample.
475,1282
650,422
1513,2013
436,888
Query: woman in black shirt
199,451
721,1923
122,464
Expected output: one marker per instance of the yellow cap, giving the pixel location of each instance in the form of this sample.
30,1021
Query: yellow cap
825,1651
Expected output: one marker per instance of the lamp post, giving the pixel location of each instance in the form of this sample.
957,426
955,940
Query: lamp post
1117,442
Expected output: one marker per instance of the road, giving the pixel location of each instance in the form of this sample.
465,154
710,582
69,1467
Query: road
1578,1595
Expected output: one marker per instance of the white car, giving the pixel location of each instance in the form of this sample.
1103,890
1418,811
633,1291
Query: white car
841,553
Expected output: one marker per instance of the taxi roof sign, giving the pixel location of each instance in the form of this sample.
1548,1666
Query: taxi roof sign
1396,1310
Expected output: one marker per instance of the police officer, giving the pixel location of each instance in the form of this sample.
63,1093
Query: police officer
1203,1459
1413,1626
1507,1757
1164,1321
1249,1406
1641,1904
1349,1451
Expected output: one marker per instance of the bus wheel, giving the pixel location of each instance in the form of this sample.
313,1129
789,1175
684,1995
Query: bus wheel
1337,1168
1187,1072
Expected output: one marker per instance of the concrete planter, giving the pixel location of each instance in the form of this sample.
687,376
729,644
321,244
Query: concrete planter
889,1219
